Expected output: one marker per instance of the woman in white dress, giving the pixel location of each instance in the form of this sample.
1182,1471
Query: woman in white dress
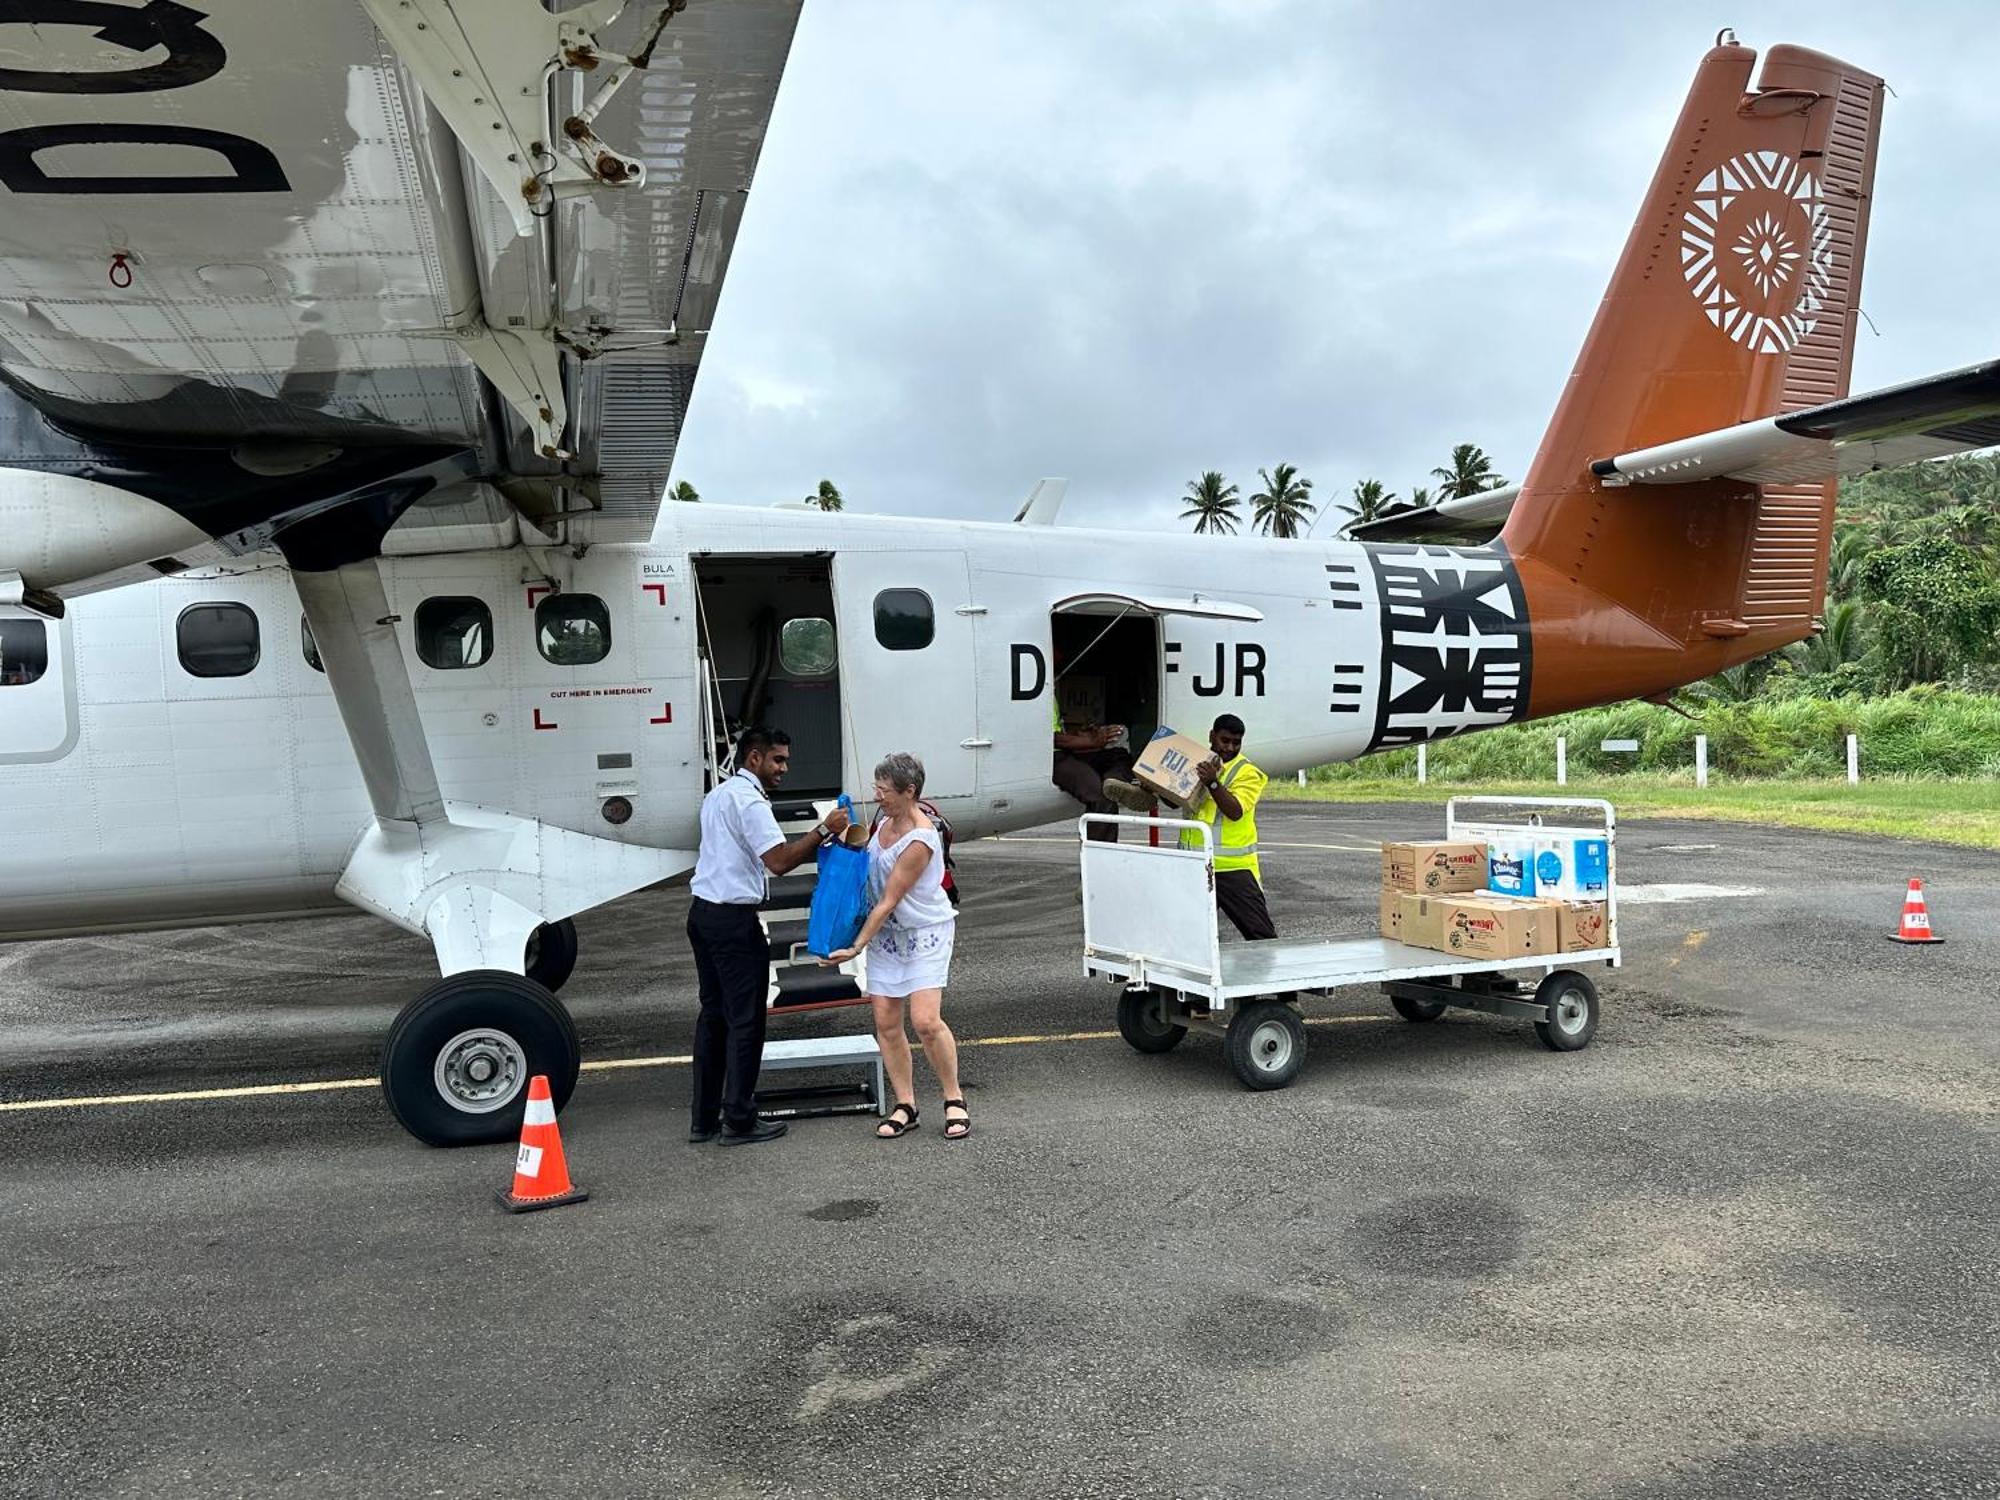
908,936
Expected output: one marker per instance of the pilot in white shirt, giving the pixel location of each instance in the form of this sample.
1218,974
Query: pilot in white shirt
741,848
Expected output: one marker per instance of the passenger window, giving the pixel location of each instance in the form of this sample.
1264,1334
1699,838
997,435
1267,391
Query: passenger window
903,619
454,633
24,652
806,647
311,646
573,630
218,640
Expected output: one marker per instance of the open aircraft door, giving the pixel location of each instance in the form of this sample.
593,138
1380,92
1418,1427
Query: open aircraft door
907,644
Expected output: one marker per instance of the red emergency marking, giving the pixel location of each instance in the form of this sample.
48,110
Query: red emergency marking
540,725
533,590
655,588
665,718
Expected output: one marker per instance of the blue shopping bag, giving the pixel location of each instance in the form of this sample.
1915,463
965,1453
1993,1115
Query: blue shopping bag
840,896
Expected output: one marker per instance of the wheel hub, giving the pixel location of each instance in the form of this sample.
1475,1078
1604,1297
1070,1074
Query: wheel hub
481,1070
1570,1011
1271,1046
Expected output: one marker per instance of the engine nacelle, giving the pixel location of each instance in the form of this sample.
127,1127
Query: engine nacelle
57,530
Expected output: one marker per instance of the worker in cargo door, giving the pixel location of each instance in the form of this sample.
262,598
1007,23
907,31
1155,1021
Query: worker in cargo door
1085,759
1234,788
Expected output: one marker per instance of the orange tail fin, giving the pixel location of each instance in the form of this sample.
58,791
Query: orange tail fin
1735,298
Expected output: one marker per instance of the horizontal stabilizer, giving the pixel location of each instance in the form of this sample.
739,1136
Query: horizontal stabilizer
1929,418
1482,512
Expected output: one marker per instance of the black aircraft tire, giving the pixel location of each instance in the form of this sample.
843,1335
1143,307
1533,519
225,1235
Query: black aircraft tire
1142,1021
551,954
1572,1003
457,1061
1266,1045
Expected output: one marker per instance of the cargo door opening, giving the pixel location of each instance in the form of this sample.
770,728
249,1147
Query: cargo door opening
1107,670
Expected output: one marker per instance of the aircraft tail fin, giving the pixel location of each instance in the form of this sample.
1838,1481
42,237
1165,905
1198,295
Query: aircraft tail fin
1736,297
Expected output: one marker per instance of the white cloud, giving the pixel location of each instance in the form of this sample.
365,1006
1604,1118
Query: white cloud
1126,242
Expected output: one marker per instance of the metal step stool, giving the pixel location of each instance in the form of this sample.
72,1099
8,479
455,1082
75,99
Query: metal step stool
824,1052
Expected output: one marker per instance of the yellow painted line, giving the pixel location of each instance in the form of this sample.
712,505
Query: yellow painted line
671,1060
1691,944
1037,838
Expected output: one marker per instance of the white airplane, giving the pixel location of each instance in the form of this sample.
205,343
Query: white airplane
343,351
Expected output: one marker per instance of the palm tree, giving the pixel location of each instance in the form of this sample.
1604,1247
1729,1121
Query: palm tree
683,491
1420,498
826,497
1471,471
1843,639
1212,504
1370,502
1281,508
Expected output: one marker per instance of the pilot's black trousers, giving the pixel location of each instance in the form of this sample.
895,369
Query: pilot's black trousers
732,957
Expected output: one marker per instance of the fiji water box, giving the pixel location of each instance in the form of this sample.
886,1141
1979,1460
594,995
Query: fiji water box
1167,768
1572,869
1510,865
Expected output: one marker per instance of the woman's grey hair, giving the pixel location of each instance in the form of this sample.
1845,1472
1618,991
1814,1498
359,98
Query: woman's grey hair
903,771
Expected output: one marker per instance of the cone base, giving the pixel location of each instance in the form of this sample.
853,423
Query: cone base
515,1205
1897,937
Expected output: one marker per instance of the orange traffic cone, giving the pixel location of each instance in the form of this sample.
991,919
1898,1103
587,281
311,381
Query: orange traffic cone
541,1173
1916,923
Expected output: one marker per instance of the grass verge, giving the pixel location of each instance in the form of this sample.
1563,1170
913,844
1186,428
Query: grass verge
1951,812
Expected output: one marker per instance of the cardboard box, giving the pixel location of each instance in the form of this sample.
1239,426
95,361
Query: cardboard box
1420,920
1510,865
1437,868
1581,925
1495,927
1082,700
1392,915
1166,767
1573,869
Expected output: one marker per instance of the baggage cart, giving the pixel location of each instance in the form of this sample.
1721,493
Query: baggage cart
1150,925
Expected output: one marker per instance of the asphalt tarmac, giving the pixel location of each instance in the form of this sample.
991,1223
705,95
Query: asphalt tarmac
1744,1244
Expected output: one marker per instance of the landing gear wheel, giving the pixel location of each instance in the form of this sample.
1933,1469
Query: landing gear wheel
456,1063
1266,1044
1410,1008
551,954
1572,1003
1142,1021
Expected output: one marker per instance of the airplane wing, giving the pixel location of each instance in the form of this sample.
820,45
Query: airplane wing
1930,418
1940,415
1470,516
301,267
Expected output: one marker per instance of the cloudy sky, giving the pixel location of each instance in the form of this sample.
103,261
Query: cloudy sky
1124,242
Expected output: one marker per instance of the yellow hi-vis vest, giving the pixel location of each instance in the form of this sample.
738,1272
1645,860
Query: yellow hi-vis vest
1234,839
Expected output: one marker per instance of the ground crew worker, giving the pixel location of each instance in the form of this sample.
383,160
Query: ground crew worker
741,847
1234,787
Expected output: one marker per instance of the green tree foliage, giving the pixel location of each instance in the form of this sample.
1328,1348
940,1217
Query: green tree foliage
1370,501
826,497
1934,607
684,491
1212,505
1470,472
1282,508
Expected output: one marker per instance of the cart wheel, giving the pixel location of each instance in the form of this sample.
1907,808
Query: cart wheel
1572,1003
1412,1009
1266,1044
1142,1021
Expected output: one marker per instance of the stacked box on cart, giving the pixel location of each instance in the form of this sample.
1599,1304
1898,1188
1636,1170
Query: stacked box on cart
1435,867
1486,926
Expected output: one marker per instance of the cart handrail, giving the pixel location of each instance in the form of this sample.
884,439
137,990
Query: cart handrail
1136,820
1452,804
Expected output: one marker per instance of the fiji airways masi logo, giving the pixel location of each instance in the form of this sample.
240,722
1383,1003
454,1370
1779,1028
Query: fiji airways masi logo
1757,250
